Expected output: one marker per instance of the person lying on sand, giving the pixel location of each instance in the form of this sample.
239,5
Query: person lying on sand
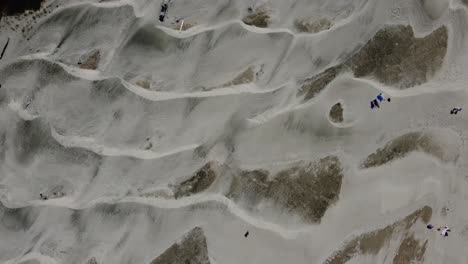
443,230
455,110
380,98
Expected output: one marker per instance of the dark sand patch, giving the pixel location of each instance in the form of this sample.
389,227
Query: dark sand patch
201,181
92,62
336,113
246,76
191,249
315,26
307,190
396,57
259,18
372,243
312,86
402,146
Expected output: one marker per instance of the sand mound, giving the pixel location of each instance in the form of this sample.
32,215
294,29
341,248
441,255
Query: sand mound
17,219
34,138
190,249
34,147
307,191
434,8
336,113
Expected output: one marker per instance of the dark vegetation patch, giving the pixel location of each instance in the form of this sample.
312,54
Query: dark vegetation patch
191,249
199,182
307,190
258,18
401,147
314,85
373,242
315,26
92,61
336,113
394,56
410,251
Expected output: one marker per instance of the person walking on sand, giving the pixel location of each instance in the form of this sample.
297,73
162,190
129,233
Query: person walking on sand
162,14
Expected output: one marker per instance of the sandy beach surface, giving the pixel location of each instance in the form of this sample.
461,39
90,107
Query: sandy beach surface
124,139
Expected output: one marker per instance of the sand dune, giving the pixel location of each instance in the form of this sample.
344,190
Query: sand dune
123,140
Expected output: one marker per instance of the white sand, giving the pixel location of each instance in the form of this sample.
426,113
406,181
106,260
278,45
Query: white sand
116,141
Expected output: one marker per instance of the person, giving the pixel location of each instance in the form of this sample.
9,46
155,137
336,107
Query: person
163,12
246,234
380,97
455,110
376,103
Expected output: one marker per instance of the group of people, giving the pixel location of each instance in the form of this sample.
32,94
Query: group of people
443,230
455,110
55,195
379,99
375,103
